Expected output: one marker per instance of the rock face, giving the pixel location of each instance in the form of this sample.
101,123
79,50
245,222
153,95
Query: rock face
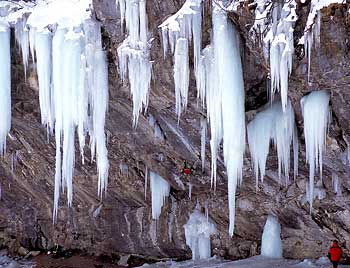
121,222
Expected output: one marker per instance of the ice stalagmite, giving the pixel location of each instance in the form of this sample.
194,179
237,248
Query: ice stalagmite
160,189
273,124
5,85
198,230
271,243
316,114
134,53
177,32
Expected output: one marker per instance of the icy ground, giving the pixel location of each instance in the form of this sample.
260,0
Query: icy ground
6,262
254,262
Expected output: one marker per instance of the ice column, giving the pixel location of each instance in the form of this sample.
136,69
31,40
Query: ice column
198,230
160,189
134,54
316,113
271,243
5,85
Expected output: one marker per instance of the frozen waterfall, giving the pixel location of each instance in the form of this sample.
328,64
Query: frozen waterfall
316,114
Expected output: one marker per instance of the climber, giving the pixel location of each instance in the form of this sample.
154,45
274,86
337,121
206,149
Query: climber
186,169
334,253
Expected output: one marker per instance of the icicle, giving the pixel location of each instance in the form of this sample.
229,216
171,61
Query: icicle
336,184
133,54
203,140
177,32
190,186
271,243
181,75
316,113
22,37
273,124
198,230
5,86
146,181
160,189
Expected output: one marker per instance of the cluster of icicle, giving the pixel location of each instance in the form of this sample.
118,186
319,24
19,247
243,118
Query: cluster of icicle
272,124
198,230
316,113
134,53
73,83
219,78
278,42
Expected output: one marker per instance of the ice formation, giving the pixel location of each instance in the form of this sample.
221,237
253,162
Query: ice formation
271,243
198,230
177,33
273,124
278,41
160,189
134,53
65,43
316,114
312,29
336,184
203,140
5,85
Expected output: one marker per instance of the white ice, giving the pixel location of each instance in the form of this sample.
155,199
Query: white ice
5,86
134,54
316,114
198,230
160,190
272,124
271,243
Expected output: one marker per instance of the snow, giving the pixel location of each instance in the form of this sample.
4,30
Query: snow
253,262
271,243
316,114
160,189
5,86
273,124
198,230
177,32
134,54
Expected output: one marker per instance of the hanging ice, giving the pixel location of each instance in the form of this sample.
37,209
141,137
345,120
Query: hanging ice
5,85
177,32
134,52
198,230
22,37
336,184
273,124
271,243
160,189
203,140
316,113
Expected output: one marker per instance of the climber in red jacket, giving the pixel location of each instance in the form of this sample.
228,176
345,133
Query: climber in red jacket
334,253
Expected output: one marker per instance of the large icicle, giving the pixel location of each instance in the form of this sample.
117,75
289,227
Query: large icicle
316,113
22,37
5,85
134,54
203,124
186,25
160,189
272,124
198,230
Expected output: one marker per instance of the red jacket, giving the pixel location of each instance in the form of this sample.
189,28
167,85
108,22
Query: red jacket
335,252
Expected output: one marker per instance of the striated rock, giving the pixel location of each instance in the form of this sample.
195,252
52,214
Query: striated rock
123,223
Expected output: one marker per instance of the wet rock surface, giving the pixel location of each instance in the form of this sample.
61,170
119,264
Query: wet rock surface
123,225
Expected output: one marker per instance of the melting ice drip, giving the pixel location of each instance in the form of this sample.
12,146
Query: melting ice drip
160,189
198,230
221,88
271,243
134,53
273,124
316,113
177,32
73,83
5,85
277,38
